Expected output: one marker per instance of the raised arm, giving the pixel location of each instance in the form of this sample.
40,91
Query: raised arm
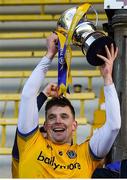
104,137
28,112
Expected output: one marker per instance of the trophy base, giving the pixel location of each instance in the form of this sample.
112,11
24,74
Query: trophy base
98,47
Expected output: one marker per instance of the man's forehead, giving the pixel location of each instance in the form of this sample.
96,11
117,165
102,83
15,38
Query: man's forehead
59,109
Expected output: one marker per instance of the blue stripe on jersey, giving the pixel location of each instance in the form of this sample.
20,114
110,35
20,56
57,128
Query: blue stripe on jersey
15,151
27,134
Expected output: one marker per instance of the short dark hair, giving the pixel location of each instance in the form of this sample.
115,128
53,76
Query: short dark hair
59,101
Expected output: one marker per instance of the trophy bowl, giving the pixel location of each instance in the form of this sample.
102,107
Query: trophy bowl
86,36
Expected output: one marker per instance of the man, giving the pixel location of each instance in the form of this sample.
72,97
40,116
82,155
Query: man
41,98
56,156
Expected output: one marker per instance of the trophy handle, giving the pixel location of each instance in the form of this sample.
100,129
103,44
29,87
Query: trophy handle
96,22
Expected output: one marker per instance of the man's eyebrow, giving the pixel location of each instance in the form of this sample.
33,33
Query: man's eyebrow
52,114
64,114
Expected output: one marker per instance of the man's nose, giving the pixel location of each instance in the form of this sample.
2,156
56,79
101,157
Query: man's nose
58,119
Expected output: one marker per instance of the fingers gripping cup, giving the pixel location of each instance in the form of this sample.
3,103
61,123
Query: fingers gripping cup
86,36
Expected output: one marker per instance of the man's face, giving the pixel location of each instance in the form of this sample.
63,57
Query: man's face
60,124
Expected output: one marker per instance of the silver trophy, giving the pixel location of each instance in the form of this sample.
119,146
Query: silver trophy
86,36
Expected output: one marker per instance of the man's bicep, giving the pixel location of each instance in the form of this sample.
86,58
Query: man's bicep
102,141
28,115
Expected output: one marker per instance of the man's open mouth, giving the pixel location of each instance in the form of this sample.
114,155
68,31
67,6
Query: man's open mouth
58,129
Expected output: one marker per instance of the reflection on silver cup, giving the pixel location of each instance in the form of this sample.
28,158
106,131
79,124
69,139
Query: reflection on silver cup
66,18
86,36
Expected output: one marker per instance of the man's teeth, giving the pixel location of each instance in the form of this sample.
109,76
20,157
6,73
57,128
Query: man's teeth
58,129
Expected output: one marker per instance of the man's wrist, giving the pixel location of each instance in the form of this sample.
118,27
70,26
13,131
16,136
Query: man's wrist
108,80
49,55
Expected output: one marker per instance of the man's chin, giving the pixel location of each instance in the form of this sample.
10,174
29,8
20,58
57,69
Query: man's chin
59,141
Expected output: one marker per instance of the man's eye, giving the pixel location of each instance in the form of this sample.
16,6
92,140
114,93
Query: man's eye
51,118
64,116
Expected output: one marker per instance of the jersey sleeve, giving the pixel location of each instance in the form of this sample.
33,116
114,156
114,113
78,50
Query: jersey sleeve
90,162
25,142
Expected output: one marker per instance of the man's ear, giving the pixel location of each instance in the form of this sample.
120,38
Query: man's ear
45,126
75,124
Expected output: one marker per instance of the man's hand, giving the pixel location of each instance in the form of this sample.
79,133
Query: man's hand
52,40
51,90
107,67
